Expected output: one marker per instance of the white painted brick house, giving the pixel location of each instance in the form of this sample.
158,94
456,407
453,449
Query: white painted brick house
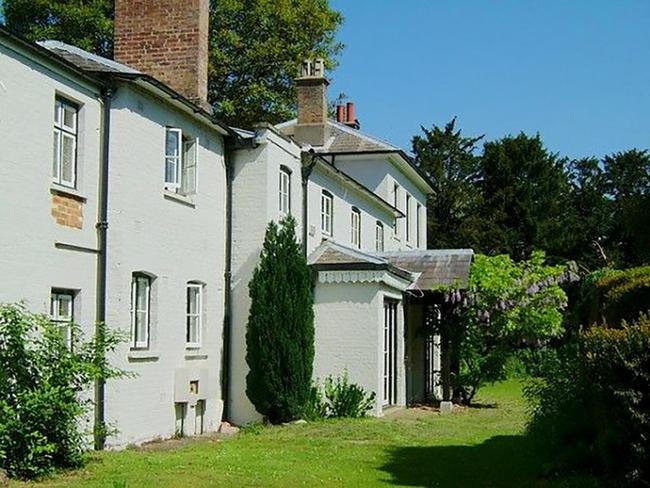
125,201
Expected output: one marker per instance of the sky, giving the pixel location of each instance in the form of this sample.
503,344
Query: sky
576,72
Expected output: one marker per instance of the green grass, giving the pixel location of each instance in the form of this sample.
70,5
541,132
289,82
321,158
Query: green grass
482,446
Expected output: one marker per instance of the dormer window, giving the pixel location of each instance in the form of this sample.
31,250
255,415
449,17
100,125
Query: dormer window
181,158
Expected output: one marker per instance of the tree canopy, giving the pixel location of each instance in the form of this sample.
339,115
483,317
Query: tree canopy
256,46
448,158
513,195
256,51
87,24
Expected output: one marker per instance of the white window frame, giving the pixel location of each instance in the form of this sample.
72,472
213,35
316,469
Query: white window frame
327,213
284,191
198,315
63,321
189,180
62,131
185,175
379,236
407,204
136,281
355,227
174,183
390,350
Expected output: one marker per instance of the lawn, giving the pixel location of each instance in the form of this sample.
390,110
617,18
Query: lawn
482,446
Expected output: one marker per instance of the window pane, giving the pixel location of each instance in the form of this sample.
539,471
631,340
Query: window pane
57,112
70,117
56,151
172,143
67,159
141,294
188,178
65,307
192,329
193,300
170,170
141,326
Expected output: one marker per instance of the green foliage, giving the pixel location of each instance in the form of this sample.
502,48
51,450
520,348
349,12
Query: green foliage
609,296
530,362
256,49
87,24
316,408
43,384
508,303
345,399
516,196
280,332
449,160
339,398
524,189
592,406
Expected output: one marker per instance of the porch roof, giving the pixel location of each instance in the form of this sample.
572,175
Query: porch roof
434,267
331,256
426,269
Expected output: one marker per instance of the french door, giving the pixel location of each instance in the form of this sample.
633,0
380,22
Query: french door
390,352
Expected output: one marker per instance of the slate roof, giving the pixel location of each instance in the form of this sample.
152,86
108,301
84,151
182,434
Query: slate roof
439,267
427,269
331,255
344,139
87,61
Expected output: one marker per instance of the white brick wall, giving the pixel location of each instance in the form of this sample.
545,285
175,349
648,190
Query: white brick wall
176,243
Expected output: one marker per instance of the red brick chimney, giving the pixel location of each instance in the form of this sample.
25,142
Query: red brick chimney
167,39
312,125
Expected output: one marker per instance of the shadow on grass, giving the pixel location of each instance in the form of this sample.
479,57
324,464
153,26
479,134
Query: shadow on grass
481,406
499,461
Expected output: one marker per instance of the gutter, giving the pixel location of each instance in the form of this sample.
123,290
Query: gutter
102,245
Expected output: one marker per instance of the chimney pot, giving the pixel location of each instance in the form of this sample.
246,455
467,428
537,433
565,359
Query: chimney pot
350,113
340,114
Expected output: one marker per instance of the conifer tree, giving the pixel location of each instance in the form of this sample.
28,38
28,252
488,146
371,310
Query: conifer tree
280,332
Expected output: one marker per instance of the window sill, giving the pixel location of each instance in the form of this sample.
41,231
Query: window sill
194,354
177,197
143,355
67,191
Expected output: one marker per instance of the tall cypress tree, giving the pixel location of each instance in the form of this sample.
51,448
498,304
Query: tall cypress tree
280,332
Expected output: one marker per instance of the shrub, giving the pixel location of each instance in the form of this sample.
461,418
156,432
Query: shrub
316,408
41,385
592,406
280,332
531,362
506,303
610,296
345,399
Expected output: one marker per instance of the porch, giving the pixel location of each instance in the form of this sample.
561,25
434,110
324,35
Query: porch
382,319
